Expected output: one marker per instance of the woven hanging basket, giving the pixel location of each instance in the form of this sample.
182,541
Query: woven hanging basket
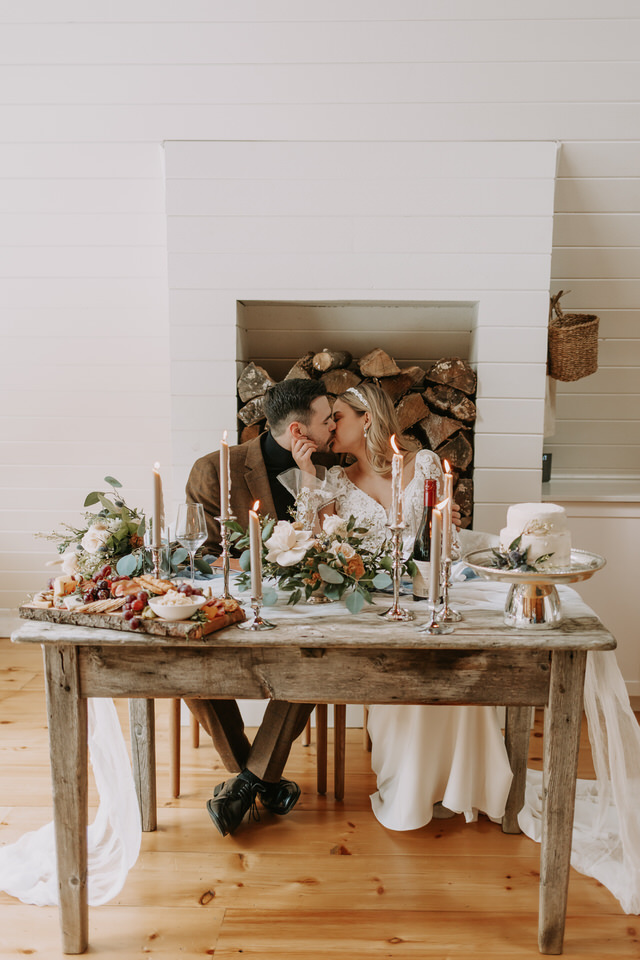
573,343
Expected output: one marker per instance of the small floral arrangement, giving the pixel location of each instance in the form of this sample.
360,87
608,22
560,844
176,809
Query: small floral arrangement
114,535
513,558
302,563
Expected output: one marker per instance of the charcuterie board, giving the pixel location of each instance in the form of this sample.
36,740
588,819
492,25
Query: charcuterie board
183,629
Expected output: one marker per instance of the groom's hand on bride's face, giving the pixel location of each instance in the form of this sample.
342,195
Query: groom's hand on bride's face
302,449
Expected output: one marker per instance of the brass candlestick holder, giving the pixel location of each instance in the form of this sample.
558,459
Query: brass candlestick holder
225,537
396,613
258,623
447,614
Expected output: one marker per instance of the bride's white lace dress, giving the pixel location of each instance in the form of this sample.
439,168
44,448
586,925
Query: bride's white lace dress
422,755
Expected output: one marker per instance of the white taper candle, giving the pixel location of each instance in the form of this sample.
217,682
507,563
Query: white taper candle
255,552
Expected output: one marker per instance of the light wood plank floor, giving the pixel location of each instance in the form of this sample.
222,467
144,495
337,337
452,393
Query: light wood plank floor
327,881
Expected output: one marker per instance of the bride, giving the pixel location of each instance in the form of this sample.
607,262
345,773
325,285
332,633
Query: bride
428,760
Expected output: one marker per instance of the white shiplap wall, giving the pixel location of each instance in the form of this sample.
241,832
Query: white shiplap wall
345,194
88,94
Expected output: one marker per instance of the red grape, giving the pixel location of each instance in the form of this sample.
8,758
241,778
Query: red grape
138,605
134,622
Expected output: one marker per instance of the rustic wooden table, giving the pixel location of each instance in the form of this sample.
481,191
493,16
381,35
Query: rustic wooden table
329,659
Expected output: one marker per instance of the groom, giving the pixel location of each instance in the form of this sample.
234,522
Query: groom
300,425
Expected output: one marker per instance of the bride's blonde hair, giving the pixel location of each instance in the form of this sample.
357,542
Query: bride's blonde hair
370,398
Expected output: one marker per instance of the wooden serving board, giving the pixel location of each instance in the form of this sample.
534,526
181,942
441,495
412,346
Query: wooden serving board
182,629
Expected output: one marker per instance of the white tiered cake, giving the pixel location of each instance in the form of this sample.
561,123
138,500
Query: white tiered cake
544,530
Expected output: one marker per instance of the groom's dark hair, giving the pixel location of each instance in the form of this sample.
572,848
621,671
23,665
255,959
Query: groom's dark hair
291,400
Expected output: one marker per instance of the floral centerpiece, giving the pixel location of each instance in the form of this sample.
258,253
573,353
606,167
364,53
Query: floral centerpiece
113,536
333,561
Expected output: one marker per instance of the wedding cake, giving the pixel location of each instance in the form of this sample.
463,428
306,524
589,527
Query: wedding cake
544,530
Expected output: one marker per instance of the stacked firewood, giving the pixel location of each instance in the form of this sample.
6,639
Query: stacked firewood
434,405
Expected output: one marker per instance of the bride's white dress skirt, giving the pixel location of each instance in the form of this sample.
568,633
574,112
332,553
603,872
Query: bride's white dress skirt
423,755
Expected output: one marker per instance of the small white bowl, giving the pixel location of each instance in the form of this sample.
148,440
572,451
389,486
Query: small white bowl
181,611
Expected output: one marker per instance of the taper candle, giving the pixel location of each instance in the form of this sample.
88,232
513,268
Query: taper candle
436,532
446,513
158,508
255,552
396,483
225,478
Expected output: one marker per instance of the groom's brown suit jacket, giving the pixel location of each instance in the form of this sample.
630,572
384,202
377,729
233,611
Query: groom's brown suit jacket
249,482
282,722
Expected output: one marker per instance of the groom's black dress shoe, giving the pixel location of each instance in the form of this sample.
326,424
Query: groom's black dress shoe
234,797
230,802
279,797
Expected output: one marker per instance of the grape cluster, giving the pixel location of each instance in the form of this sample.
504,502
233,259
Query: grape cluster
135,604
189,591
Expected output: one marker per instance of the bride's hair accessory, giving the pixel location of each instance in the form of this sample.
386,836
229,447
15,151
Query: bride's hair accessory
359,395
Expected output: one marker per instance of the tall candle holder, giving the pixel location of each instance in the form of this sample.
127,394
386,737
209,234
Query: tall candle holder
226,553
396,613
258,623
446,613
155,559
433,628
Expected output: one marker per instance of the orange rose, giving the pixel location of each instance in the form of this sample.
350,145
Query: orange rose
355,567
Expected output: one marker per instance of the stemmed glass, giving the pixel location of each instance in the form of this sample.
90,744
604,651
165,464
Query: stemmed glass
191,530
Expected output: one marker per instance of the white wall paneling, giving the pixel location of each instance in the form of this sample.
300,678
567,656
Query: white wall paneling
89,94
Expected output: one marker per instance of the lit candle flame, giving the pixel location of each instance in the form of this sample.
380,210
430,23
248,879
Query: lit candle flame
394,444
447,468
224,438
156,466
256,506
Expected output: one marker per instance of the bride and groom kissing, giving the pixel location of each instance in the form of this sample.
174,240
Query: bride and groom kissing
423,756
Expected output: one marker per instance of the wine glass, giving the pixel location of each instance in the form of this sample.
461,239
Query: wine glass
191,530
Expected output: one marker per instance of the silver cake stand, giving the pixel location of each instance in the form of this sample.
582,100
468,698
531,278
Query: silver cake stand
533,600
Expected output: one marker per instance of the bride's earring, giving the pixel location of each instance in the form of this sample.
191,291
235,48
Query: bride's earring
366,431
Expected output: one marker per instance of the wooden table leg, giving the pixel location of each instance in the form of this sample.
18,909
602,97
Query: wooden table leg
321,747
142,726
562,723
516,736
67,714
339,734
174,746
195,733
306,734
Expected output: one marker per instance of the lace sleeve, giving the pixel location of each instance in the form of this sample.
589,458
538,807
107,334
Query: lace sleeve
311,493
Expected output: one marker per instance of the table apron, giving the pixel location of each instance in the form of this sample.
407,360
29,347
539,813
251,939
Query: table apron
317,675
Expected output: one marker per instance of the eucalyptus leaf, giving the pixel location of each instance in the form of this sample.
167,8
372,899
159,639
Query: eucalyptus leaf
329,575
387,563
91,499
127,566
245,560
141,527
268,530
382,580
333,591
202,565
108,505
269,596
355,602
179,556
112,482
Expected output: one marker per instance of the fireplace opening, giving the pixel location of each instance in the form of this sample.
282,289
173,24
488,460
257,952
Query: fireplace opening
418,352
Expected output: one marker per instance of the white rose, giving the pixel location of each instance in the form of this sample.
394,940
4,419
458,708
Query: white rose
334,526
344,550
70,562
96,536
286,545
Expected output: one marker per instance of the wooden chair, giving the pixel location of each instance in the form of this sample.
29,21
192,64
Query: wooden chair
339,744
